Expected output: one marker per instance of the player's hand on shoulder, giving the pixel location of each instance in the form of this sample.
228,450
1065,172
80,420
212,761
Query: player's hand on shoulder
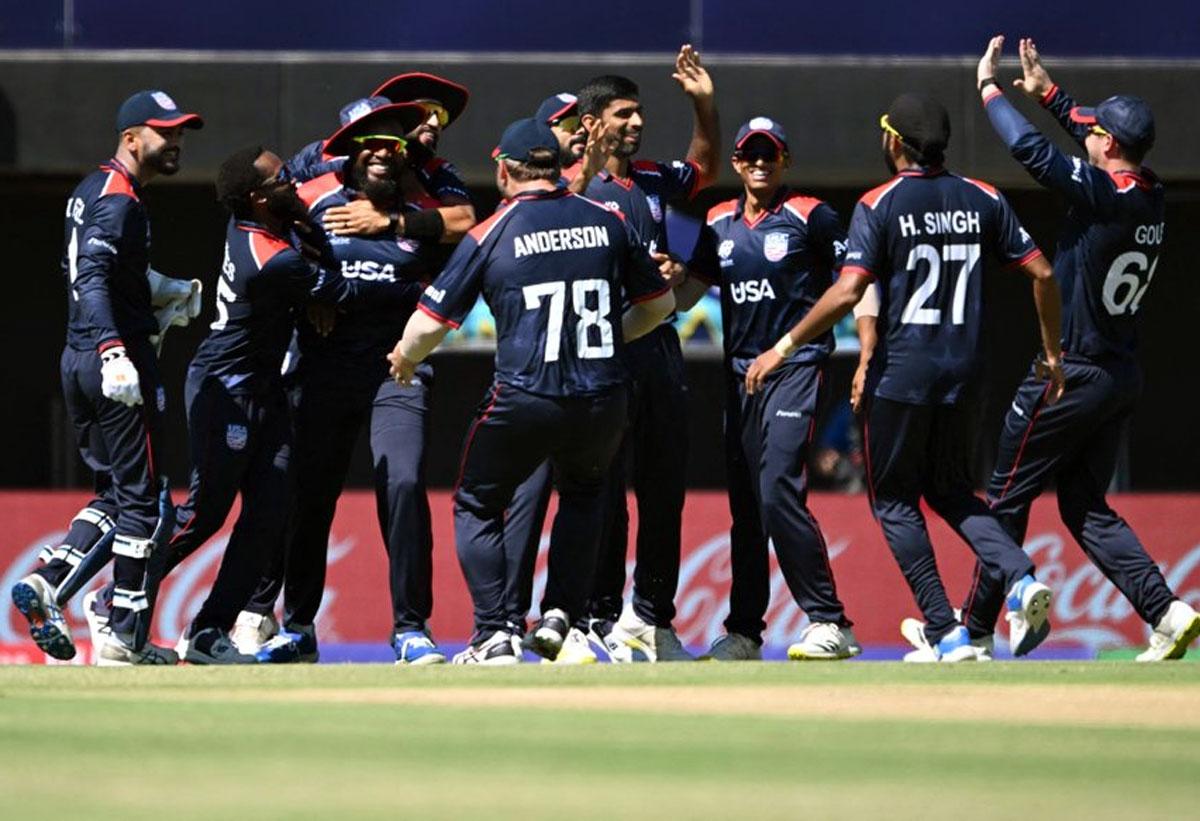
358,217
1036,81
692,77
118,377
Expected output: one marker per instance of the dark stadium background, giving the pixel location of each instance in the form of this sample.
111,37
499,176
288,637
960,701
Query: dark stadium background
259,76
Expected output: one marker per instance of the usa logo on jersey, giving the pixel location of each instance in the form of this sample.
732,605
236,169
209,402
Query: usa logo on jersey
775,246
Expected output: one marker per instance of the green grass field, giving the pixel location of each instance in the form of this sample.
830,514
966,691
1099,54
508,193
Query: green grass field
1003,740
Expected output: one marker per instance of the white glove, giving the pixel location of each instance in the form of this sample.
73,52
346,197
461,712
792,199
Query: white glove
180,295
119,379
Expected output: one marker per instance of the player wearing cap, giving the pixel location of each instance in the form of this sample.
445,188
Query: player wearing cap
342,383
445,212
772,252
554,269
656,442
112,389
922,235
1106,257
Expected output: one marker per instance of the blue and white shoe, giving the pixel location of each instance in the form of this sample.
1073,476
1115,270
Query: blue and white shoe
34,599
952,648
304,636
1028,615
913,631
416,648
279,649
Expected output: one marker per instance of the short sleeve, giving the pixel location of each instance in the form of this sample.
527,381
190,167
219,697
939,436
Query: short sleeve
453,294
1014,246
641,278
827,237
864,244
704,262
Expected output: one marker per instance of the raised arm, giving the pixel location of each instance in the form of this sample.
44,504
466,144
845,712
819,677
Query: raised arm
705,146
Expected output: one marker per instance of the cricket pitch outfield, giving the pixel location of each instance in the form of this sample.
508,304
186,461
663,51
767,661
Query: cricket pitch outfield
851,740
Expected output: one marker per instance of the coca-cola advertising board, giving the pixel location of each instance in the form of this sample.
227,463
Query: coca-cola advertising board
1088,612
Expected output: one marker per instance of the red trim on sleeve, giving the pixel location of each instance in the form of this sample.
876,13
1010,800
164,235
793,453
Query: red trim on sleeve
801,205
648,297
992,94
1032,255
1049,95
986,188
115,342
263,246
873,197
318,187
721,210
857,269
421,306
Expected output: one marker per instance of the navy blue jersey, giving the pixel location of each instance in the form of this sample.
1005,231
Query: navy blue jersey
770,271
643,196
1110,244
923,235
436,178
387,274
106,253
554,268
311,161
263,281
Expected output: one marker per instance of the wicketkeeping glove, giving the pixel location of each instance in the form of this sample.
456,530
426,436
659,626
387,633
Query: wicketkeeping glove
119,379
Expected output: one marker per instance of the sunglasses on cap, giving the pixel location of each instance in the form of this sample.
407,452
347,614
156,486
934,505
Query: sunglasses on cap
277,180
434,107
570,124
1098,131
374,142
887,127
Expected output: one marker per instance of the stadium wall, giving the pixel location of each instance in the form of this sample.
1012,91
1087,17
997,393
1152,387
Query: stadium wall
1089,614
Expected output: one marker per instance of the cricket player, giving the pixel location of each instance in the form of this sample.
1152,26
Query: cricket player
112,389
1107,254
922,235
656,443
554,269
342,383
772,251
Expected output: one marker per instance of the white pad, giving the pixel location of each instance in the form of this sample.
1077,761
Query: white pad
134,600
95,517
132,547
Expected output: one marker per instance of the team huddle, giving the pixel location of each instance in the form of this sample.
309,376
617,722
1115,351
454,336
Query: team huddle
346,265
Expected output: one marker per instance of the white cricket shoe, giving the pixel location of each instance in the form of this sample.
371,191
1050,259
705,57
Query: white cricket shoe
500,649
1178,628
657,644
824,641
1028,615
600,635
97,622
733,647
211,645
252,631
574,650
913,631
952,648
34,599
117,651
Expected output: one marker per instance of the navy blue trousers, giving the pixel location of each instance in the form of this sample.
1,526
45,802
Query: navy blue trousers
654,454
522,537
239,443
1073,443
513,433
121,445
328,419
767,438
916,451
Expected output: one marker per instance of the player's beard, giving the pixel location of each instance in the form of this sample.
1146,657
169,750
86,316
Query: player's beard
164,161
382,192
628,149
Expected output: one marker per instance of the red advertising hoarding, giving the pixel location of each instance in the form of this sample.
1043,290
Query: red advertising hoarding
1088,611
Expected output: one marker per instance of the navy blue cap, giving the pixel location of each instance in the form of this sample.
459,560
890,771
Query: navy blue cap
557,107
1128,119
154,108
523,137
352,111
765,126
396,119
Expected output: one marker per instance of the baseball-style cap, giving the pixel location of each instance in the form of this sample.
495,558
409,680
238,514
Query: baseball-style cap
155,108
557,107
922,122
395,119
765,126
523,137
417,85
352,111
1128,119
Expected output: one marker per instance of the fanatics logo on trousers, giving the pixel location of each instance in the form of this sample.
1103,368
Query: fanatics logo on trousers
236,436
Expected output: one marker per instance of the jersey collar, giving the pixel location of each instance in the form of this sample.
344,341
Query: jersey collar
253,227
922,171
116,165
774,208
538,194
624,182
